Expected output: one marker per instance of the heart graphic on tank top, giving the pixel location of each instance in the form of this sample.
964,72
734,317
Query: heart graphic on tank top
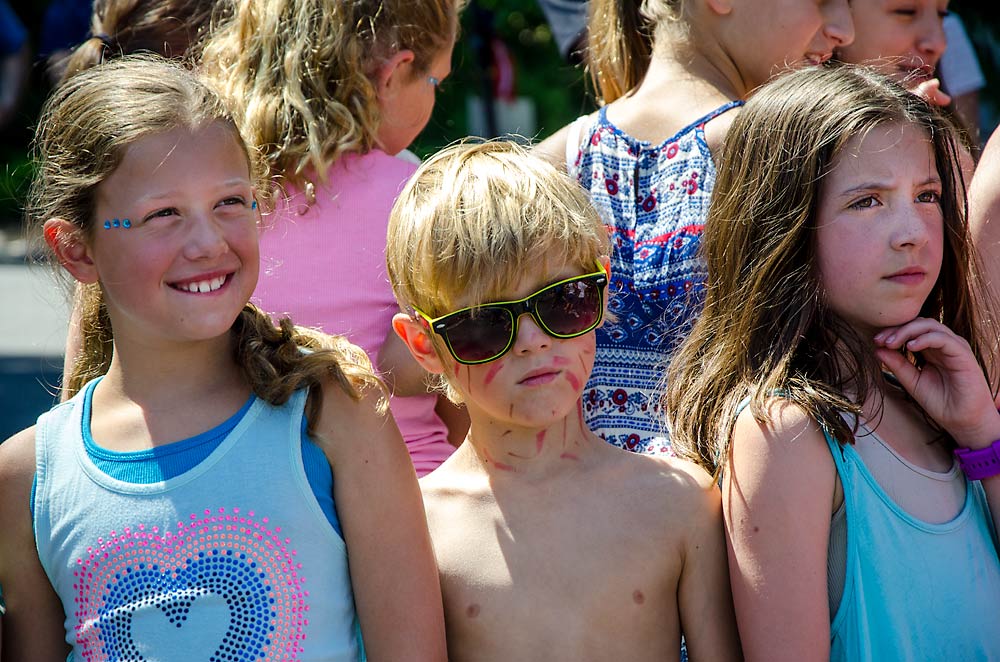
224,586
158,633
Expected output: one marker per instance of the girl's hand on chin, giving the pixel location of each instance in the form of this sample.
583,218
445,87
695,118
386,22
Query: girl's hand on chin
950,386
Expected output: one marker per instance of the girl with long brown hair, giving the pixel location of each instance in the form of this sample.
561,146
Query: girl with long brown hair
835,379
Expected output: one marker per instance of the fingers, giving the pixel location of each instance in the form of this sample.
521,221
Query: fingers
930,91
919,334
905,372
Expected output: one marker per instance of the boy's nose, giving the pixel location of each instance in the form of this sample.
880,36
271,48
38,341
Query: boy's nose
530,337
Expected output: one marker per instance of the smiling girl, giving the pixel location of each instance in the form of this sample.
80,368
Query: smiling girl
904,39
183,500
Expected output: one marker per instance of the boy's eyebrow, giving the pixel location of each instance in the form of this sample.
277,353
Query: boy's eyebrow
884,186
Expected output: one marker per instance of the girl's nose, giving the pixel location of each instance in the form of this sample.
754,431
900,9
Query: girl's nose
911,231
205,239
838,24
932,41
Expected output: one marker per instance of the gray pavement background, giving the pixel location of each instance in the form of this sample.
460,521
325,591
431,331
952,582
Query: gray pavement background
34,314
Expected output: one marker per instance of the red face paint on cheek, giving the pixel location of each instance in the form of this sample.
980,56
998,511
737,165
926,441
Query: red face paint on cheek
492,372
569,456
574,382
560,361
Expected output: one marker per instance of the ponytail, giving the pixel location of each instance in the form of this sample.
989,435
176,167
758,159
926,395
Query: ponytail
88,54
620,42
121,27
96,340
620,46
276,361
279,360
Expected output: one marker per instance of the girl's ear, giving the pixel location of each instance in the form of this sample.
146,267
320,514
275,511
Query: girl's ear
392,73
417,339
66,241
720,7
606,263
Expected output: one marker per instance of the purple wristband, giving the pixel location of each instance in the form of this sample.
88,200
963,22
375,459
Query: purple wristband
980,464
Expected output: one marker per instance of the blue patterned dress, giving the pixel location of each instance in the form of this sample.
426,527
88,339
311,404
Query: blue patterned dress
654,198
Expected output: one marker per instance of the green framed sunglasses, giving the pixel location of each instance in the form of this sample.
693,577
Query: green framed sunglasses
483,333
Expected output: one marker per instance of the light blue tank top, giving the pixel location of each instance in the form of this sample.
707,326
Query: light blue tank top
914,591
231,560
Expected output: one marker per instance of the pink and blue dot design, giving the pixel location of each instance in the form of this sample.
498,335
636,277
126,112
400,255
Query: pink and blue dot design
224,586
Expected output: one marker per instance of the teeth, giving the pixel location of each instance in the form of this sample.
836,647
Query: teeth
202,286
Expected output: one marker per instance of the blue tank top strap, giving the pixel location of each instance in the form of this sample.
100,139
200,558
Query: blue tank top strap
726,107
602,120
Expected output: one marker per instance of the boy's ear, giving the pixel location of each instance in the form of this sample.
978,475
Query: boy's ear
393,72
67,242
417,338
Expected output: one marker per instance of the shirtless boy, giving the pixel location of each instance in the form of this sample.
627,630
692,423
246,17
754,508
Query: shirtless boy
552,544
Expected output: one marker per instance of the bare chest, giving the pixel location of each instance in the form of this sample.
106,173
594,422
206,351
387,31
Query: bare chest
556,582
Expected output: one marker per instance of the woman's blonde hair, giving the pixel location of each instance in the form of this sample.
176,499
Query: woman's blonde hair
299,72
85,129
766,329
123,27
476,217
620,36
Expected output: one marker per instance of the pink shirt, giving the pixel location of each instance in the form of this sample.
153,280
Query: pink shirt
324,266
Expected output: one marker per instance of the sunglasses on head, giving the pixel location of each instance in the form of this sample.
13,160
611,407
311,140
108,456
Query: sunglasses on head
484,333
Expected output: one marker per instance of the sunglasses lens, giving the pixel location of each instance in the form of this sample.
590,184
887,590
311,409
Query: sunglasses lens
571,308
480,334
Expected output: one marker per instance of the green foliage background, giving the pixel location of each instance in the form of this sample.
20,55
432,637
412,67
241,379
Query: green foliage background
557,88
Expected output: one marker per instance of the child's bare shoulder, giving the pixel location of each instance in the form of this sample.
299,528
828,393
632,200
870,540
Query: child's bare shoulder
450,488
679,489
17,472
17,458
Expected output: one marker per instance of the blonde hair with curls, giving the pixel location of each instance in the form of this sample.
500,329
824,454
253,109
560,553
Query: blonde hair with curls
299,71
122,27
765,328
86,127
475,218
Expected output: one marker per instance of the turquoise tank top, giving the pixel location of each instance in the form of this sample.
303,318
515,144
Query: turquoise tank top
914,591
230,560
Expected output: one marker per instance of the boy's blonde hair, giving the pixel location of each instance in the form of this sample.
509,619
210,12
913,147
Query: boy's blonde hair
299,72
476,218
